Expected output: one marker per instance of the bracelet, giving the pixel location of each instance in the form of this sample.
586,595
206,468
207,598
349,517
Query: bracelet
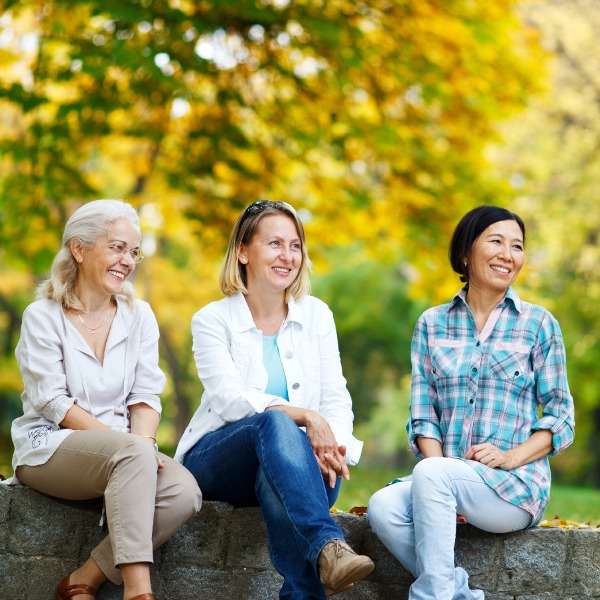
150,437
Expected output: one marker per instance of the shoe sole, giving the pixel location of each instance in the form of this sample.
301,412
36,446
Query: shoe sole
331,591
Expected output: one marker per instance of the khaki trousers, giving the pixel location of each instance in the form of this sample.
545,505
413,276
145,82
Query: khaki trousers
145,505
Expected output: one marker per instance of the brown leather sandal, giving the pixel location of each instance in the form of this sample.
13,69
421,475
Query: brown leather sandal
66,590
144,597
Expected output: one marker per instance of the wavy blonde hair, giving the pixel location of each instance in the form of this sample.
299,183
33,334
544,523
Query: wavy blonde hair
233,277
88,223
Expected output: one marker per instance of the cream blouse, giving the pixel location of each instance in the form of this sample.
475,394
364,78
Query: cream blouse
59,369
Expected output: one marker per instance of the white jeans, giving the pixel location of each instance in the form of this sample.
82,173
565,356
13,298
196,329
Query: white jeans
416,521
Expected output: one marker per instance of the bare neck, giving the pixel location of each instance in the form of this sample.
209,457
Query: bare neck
268,311
482,303
92,303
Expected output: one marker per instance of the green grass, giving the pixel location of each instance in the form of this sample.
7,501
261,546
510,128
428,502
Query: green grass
364,482
574,503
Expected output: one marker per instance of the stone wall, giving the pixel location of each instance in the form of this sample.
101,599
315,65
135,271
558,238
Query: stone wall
222,554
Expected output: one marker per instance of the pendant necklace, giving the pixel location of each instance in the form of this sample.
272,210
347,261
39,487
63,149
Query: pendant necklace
94,329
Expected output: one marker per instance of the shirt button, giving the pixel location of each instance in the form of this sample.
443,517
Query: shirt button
295,386
478,344
190,430
289,354
517,373
474,369
471,400
210,409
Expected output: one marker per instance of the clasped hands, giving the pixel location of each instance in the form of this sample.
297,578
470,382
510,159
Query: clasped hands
330,457
490,455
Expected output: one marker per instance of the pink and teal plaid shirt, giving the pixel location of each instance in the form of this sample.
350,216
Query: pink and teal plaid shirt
498,386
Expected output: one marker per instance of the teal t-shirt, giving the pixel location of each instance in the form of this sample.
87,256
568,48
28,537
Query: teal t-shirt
277,384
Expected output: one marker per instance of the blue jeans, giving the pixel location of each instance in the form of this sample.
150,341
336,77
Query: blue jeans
416,520
266,460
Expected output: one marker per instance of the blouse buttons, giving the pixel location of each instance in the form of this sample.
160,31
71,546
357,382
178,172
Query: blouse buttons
295,386
517,373
471,400
289,354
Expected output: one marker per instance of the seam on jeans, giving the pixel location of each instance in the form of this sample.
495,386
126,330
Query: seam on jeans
313,555
527,520
118,533
283,502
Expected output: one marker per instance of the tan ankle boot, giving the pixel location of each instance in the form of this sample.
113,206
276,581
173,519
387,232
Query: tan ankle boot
340,567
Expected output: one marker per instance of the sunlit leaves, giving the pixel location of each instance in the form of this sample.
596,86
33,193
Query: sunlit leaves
370,117
551,159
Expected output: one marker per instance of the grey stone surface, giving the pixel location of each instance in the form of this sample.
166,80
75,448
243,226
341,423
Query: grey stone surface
582,576
222,554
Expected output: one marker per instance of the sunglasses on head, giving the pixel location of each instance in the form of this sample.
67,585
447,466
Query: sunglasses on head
261,205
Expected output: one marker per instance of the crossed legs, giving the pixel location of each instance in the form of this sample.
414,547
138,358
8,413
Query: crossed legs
144,505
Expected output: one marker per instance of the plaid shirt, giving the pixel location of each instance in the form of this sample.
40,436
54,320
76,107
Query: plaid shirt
498,386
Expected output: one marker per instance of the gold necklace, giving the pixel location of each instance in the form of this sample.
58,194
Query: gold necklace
94,329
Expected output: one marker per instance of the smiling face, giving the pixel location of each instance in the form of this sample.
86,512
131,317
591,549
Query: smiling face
496,257
274,255
103,268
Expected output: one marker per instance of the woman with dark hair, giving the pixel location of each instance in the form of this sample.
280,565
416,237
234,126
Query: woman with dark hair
88,355
274,427
489,402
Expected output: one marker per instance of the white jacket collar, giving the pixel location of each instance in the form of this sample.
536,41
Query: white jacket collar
241,317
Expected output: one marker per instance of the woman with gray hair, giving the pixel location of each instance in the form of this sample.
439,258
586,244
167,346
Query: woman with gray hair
274,427
88,355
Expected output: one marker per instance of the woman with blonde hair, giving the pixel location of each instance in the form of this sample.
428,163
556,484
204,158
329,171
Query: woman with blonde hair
274,427
88,355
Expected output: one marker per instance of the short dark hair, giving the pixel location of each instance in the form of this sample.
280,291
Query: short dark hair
470,227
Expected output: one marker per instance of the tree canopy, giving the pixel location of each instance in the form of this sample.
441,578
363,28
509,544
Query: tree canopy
551,156
371,117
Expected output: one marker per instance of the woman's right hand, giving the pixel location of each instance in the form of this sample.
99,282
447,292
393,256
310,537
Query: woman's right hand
78,418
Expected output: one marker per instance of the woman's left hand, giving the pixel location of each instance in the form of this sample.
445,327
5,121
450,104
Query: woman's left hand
490,455
539,444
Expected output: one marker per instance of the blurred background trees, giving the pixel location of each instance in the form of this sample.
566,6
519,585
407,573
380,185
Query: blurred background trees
382,121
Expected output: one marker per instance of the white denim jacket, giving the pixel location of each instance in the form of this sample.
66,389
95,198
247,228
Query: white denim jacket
55,377
228,351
